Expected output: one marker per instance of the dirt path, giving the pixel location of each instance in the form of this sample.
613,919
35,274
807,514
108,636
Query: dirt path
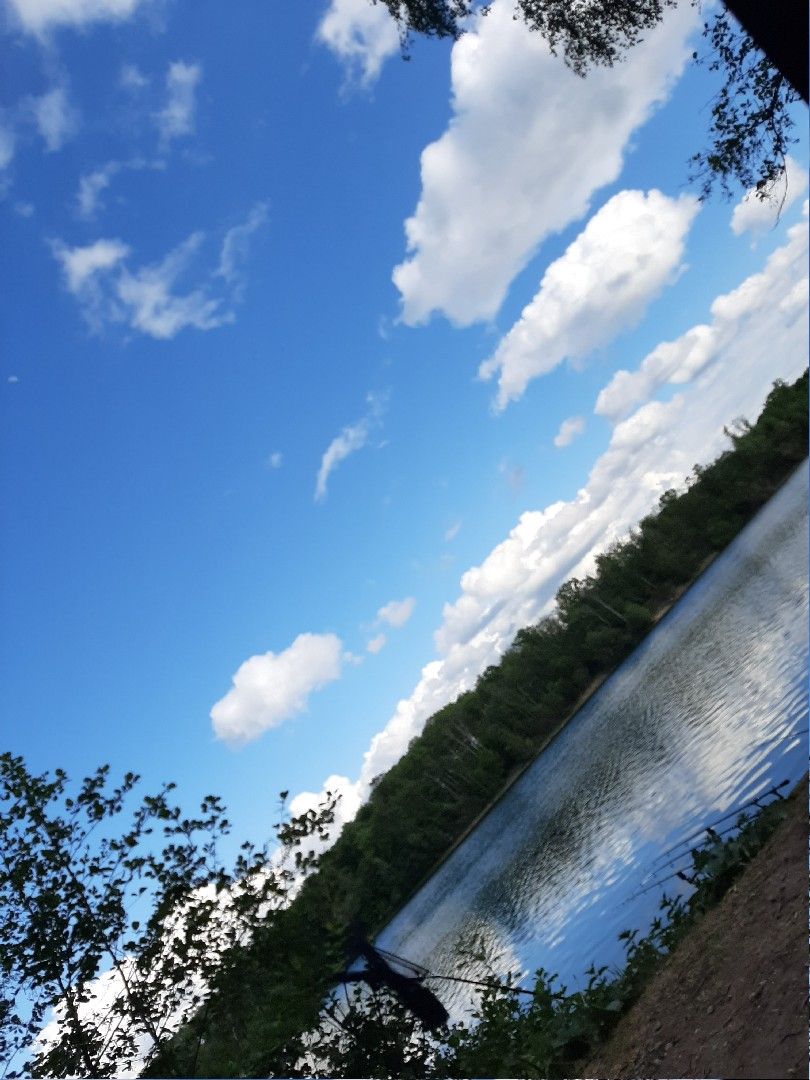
732,1000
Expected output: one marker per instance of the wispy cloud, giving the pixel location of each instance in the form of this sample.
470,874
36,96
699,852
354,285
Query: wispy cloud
7,146
38,16
275,460
132,78
92,185
147,298
377,643
570,429
352,438
55,118
176,119
155,309
397,612
236,245
452,532
82,265
273,687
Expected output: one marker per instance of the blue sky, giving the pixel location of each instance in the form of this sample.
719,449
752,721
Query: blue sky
322,370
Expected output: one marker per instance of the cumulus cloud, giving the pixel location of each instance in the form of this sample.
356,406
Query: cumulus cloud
765,299
651,450
55,118
601,284
38,16
146,298
176,118
377,643
361,35
757,216
528,145
352,438
397,612
569,430
271,688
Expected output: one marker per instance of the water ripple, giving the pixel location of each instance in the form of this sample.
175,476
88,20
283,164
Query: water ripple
699,721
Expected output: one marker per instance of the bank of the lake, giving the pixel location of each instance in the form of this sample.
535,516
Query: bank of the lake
731,1000
596,684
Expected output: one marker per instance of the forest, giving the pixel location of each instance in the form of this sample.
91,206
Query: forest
471,748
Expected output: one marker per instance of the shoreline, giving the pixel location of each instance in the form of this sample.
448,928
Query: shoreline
658,615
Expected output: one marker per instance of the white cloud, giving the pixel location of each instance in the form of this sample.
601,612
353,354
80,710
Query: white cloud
377,643
91,185
397,612
765,299
37,16
146,298
236,244
275,460
528,145
269,689
132,78
176,118
348,804
351,439
81,265
601,284
569,430
55,118
452,532
7,141
765,336
153,308
756,216
362,35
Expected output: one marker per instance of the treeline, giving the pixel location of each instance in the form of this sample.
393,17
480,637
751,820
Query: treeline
469,749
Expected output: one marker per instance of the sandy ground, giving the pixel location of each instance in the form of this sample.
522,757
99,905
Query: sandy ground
732,1000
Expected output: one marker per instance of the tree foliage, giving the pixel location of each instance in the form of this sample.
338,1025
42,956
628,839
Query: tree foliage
90,885
752,126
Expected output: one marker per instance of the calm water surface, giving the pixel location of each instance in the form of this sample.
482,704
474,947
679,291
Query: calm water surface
709,712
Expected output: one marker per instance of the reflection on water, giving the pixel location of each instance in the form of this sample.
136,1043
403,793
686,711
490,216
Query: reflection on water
702,718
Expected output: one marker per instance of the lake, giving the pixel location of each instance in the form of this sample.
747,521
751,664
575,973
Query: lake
709,712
